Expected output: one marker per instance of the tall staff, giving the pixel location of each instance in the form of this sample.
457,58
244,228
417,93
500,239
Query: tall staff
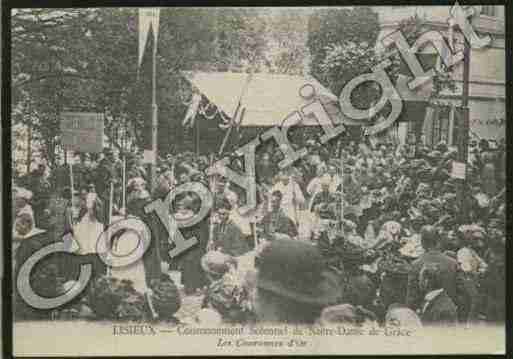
123,204
72,186
149,18
154,118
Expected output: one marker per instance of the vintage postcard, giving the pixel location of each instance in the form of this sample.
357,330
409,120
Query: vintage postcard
256,181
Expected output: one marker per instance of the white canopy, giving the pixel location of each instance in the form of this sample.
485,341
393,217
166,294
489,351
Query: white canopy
268,99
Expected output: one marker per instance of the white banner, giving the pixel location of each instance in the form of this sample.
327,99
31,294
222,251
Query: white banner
148,18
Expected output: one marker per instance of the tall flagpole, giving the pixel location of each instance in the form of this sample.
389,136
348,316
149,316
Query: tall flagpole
154,112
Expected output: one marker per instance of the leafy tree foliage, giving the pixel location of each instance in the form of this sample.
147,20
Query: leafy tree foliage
342,43
86,60
327,27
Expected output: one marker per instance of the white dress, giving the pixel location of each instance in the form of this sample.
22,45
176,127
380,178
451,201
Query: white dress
87,232
292,198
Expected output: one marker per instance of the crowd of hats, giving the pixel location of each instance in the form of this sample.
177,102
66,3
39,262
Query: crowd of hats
405,193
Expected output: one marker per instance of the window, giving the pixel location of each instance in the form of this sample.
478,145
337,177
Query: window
488,10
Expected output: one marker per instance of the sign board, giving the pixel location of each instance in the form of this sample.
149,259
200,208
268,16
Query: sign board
82,131
458,170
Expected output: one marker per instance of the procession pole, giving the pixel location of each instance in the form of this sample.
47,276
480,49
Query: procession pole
463,140
72,189
154,111
124,165
123,204
109,221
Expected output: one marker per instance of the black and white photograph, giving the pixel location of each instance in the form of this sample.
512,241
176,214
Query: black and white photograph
322,180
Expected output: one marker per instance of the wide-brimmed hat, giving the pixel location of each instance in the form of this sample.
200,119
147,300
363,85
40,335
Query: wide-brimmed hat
217,263
295,270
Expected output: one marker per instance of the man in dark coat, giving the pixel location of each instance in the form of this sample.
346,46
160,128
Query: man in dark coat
265,169
105,174
227,236
437,309
451,282
277,221
82,172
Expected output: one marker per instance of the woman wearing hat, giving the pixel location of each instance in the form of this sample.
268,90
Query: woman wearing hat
22,197
44,278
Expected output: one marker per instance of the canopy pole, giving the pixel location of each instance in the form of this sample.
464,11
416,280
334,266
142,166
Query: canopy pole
232,121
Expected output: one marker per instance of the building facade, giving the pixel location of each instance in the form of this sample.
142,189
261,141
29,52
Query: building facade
487,91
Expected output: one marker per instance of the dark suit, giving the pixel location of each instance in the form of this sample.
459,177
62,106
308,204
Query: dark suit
152,257
449,272
193,276
278,222
229,237
105,174
440,311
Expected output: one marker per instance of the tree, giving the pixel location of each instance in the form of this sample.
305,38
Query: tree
286,34
343,45
327,27
86,59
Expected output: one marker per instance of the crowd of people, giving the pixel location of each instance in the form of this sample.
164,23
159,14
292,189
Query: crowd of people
352,234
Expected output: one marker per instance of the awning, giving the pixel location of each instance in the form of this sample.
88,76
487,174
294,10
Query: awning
268,99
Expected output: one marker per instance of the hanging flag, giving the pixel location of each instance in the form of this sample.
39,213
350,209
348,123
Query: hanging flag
190,115
148,18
